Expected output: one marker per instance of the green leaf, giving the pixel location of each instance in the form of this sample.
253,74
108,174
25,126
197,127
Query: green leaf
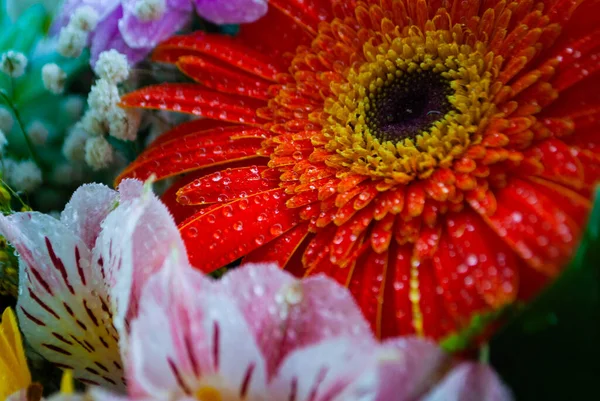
467,337
551,351
25,32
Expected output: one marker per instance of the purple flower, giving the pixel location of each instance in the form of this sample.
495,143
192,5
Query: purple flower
135,27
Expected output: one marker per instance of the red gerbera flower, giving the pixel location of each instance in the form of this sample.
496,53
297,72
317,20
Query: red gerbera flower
435,156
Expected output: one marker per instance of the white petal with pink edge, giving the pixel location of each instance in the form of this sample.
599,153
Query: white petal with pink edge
470,381
189,339
88,207
285,313
327,371
63,305
134,243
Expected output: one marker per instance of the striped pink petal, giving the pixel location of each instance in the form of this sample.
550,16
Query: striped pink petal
285,313
63,307
188,338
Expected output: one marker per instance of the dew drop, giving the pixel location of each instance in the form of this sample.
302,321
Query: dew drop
276,229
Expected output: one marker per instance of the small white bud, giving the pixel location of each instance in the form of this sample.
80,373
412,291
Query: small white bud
124,123
71,41
157,128
84,18
37,132
103,96
98,153
55,214
112,66
93,123
67,174
54,78
149,10
74,145
6,120
24,176
3,140
73,106
13,63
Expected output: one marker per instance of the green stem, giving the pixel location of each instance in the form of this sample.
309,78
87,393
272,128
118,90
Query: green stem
484,354
13,193
20,122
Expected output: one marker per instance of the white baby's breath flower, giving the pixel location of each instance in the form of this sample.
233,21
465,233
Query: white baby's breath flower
13,63
73,106
54,78
149,10
3,141
74,145
103,96
84,18
157,128
93,123
124,124
24,176
71,41
67,174
99,153
37,132
112,66
55,214
6,120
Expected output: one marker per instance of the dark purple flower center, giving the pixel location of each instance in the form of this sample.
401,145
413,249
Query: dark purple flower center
409,105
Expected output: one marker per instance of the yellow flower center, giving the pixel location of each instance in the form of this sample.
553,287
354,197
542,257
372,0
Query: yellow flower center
208,393
418,102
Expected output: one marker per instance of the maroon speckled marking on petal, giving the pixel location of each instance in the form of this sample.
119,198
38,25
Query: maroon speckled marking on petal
42,282
79,268
56,349
42,304
59,265
90,313
32,318
178,377
246,382
215,350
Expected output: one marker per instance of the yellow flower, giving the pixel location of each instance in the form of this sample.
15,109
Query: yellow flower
14,372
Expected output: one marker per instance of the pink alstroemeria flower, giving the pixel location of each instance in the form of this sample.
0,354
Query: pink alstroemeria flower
81,276
260,334
122,27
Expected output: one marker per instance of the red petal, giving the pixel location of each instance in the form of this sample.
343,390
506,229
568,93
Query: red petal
489,263
436,319
531,223
281,249
573,204
223,79
194,151
397,312
181,212
368,284
196,100
381,234
169,198
190,127
306,13
560,164
232,230
222,48
319,247
347,234
461,296
225,186
275,34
